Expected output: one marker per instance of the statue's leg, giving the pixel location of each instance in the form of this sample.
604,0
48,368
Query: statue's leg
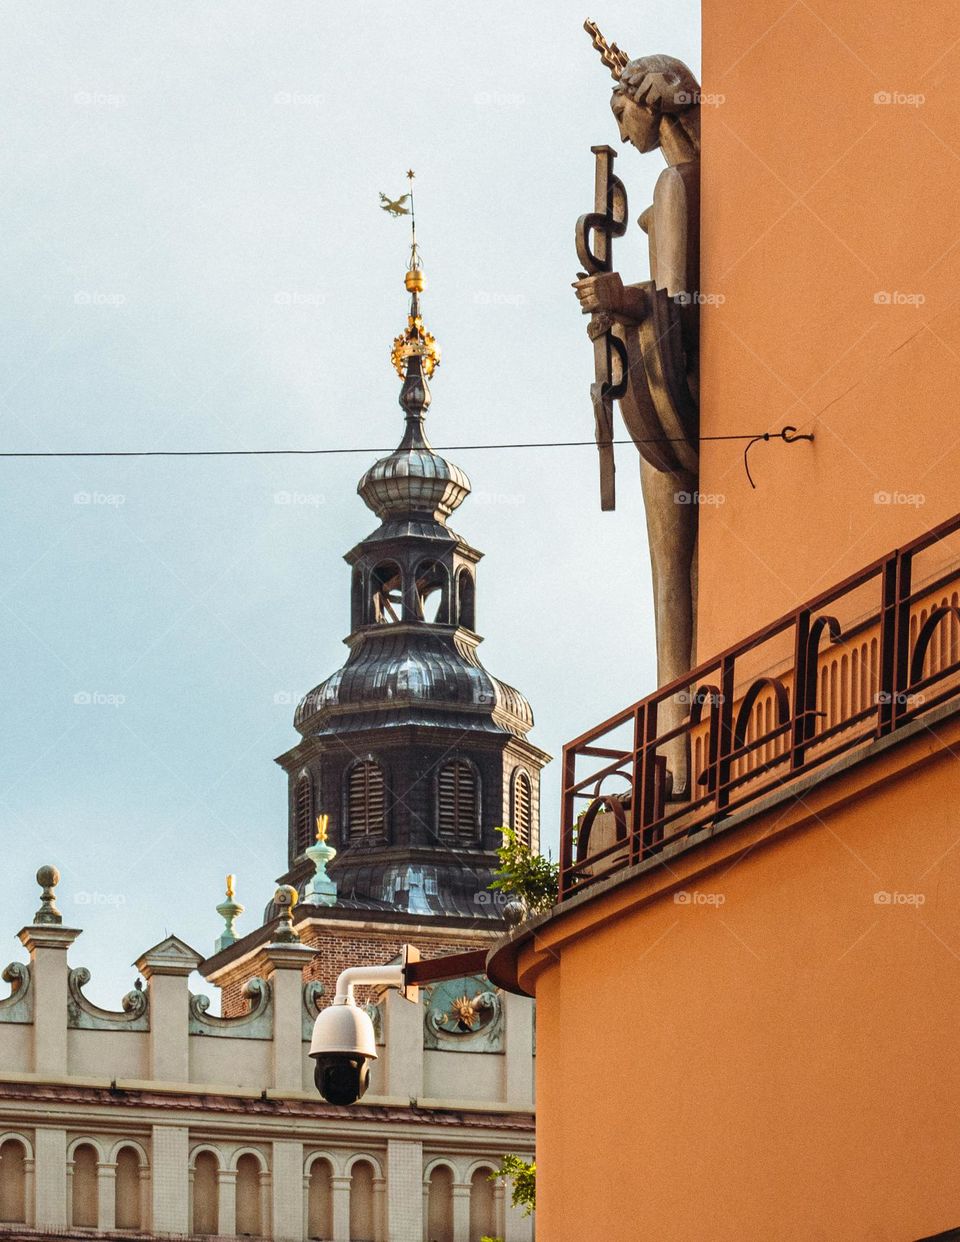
670,504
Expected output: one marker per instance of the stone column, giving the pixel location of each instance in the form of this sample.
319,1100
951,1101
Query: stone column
29,1190
516,1226
499,1193
379,1208
50,1151
227,1202
171,1150
461,1211
340,1186
146,1223
283,965
265,1184
518,1050
166,967
403,1037
106,1196
47,945
405,1205
287,1220
306,1205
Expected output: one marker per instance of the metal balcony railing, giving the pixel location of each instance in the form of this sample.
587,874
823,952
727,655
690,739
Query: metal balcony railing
858,662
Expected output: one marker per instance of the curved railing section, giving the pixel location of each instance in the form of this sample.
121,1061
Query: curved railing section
860,661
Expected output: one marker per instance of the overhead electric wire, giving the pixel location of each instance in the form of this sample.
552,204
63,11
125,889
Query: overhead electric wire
323,452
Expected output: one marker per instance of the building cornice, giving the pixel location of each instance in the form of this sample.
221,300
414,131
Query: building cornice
71,1098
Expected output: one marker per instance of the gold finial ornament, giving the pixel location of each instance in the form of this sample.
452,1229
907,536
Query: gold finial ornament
231,885
613,57
322,822
415,341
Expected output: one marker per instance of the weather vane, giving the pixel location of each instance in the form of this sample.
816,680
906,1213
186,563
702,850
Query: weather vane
415,341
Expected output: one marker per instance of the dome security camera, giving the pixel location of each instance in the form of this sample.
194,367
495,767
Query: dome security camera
344,1045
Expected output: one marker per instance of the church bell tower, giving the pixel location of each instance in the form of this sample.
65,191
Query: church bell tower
415,753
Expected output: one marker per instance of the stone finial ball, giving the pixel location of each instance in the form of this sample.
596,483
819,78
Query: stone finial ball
48,877
285,896
514,912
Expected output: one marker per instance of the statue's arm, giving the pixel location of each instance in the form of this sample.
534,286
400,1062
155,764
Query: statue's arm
606,292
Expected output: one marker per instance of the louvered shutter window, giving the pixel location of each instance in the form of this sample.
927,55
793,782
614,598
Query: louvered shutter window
458,803
303,812
522,808
365,800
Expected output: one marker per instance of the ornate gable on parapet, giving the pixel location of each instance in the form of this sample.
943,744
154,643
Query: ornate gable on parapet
172,956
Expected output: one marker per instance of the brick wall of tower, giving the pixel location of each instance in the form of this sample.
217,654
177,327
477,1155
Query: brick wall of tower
336,951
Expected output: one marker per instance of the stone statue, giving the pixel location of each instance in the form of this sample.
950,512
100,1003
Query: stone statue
655,326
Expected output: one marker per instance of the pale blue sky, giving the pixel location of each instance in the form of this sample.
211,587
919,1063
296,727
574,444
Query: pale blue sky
194,258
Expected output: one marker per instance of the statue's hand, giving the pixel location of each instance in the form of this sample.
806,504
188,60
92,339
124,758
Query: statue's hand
603,292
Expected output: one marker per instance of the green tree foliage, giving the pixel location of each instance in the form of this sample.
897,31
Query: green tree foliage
526,875
523,1176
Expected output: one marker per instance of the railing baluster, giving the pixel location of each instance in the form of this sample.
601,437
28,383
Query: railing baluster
801,706
567,819
888,644
901,661
637,784
725,744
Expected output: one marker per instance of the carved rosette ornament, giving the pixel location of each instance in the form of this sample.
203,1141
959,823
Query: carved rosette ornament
463,1013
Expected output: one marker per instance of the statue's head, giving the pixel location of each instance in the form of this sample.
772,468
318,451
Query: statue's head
650,89
650,92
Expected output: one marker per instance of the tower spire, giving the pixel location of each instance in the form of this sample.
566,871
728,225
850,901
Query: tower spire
415,344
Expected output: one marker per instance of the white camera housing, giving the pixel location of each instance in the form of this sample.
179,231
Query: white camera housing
343,1029
344,1044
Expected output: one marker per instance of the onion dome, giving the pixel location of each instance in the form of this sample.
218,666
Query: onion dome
414,480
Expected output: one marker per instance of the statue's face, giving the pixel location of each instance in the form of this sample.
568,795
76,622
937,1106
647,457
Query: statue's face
639,126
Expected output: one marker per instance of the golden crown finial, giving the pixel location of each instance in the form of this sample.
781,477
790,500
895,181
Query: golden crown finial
612,56
322,822
231,886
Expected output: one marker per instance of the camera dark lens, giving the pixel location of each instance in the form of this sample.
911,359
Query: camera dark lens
342,1080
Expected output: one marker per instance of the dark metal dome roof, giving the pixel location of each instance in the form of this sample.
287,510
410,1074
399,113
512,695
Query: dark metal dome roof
414,479
402,669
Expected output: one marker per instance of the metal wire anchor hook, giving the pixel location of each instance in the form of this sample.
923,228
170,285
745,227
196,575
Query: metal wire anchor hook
788,434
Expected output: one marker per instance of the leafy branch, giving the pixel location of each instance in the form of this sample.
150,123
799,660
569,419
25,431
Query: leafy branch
526,875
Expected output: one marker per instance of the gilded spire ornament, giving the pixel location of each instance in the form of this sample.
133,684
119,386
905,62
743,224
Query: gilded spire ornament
415,341
321,891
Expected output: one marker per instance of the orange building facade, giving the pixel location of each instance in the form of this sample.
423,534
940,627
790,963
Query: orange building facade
749,1001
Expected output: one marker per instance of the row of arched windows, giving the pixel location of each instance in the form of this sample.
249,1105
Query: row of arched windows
213,1197
125,1207
458,804
386,594
233,1199
485,1211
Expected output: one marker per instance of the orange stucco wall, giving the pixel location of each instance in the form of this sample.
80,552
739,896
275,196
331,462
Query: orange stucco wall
816,200
749,1044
